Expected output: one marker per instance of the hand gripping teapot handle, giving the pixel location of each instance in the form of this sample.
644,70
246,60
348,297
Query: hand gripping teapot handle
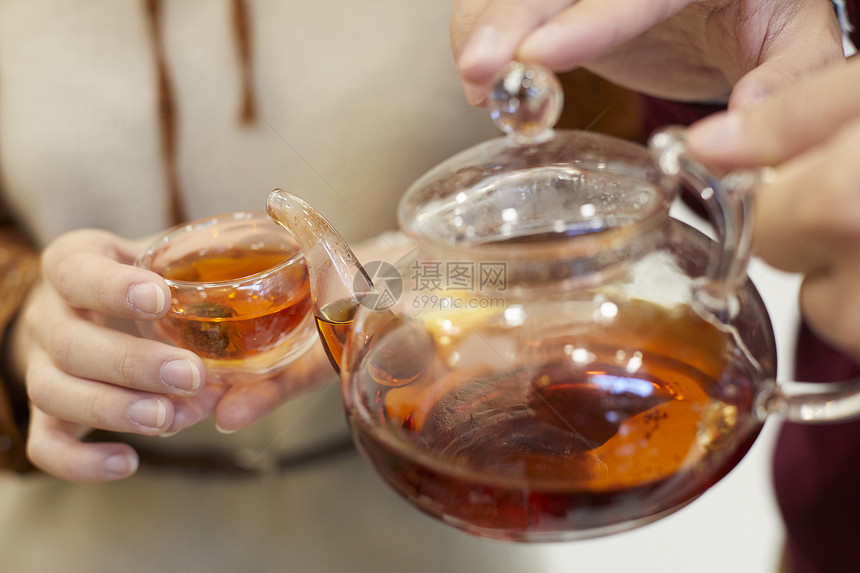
730,205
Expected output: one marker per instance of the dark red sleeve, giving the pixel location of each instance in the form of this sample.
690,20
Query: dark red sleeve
657,113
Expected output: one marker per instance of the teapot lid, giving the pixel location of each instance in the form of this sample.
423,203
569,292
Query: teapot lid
536,185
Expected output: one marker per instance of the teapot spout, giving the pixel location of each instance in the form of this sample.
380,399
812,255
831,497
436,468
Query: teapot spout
337,279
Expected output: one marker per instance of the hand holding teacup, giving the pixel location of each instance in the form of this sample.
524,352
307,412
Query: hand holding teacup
84,369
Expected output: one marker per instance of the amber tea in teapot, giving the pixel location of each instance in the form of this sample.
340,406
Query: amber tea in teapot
598,427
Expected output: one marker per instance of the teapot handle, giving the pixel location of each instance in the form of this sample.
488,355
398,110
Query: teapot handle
730,206
811,402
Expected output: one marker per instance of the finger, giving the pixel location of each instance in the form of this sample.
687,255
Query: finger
464,18
246,402
92,269
87,350
830,303
808,218
591,28
494,37
761,82
790,121
190,410
808,38
94,404
54,447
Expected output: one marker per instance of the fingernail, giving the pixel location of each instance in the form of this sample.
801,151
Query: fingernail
481,46
149,413
222,430
475,94
183,375
121,464
716,132
147,298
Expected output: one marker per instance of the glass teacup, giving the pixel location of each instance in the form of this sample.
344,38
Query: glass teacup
240,296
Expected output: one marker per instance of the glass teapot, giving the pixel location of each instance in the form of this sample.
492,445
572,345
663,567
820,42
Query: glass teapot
559,358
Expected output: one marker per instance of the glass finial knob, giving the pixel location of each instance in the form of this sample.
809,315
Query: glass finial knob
526,101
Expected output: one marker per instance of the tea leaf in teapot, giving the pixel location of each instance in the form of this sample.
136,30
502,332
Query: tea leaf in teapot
537,421
592,405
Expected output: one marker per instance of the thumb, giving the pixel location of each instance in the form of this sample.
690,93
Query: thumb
778,128
762,82
791,52
771,77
